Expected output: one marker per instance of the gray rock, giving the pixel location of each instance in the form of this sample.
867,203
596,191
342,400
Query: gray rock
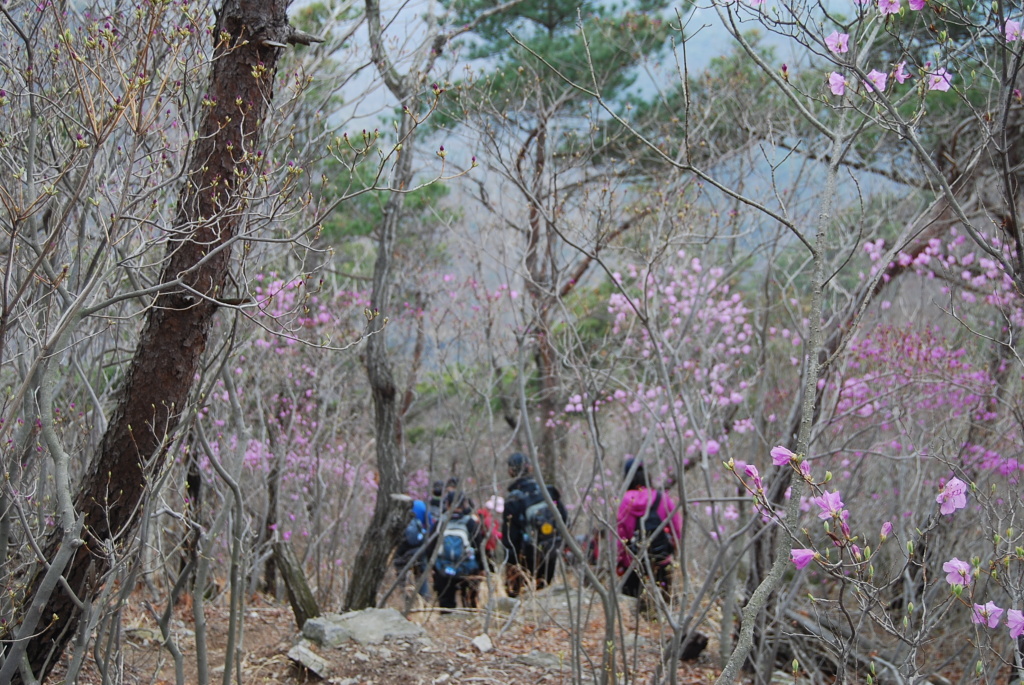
326,630
483,643
367,627
543,660
502,605
310,660
635,641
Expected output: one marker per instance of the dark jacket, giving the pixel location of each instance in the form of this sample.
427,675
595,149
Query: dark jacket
521,493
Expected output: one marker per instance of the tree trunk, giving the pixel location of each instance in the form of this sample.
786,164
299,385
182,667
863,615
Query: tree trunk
159,381
387,521
301,598
541,283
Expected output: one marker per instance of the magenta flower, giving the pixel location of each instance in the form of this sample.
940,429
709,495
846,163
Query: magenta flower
751,471
940,80
988,614
888,6
781,456
831,504
838,42
953,496
957,572
1012,30
1015,621
801,557
917,5
886,530
900,74
876,81
836,83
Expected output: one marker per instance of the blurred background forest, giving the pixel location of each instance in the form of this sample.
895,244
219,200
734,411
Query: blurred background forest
263,267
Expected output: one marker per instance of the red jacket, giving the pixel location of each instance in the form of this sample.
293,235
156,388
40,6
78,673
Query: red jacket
635,505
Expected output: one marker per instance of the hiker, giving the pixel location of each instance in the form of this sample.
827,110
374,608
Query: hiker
649,530
491,531
436,502
411,555
458,564
529,531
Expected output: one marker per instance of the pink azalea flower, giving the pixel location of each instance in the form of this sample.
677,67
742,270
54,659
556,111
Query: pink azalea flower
886,530
953,496
1015,621
838,42
830,503
801,557
957,572
900,74
888,6
940,80
781,456
876,82
1012,30
917,5
988,614
836,83
751,471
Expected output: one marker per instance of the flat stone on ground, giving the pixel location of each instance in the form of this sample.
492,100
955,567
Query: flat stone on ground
367,627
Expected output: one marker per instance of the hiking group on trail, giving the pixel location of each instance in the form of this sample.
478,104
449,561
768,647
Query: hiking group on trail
451,544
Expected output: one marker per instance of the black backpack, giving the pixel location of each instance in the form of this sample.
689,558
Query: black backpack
538,523
653,535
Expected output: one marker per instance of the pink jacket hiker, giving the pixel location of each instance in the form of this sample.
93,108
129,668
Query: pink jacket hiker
634,506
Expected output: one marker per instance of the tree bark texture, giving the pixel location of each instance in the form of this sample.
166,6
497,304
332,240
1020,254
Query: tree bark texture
387,521
541,286
159,380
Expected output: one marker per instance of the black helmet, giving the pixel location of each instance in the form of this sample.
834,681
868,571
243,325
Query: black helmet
639,476
517,463
628,466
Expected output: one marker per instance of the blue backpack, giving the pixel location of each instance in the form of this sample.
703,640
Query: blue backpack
415,532
457,556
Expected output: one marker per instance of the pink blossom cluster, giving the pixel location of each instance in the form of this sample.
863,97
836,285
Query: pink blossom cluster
977,276
924,378
960,574
702,332
876,81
